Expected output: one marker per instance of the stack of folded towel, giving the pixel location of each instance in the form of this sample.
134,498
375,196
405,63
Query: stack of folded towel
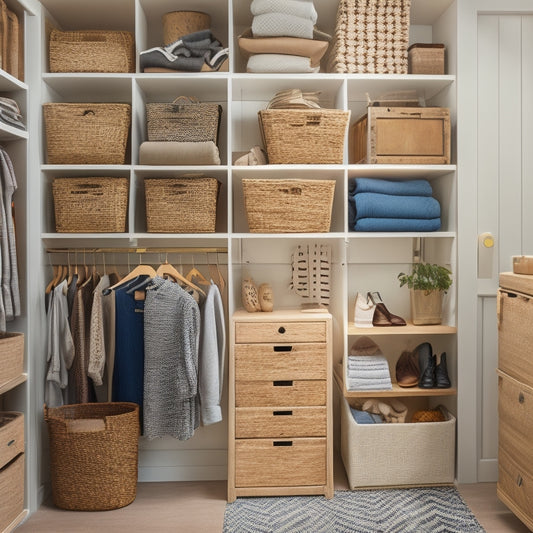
384,205
283,37
367,368
10,113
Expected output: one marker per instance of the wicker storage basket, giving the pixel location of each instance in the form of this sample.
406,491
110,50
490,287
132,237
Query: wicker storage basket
288,206
86,134
11,436
308,136
426,58
11,356
176,24
93,454
11,492
90,205
371,37
181,205
91,51
184,120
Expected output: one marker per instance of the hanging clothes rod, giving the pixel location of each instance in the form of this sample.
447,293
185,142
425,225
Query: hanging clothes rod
140,250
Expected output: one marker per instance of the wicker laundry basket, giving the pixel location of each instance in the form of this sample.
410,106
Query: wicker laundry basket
304,136
93,454
371,37
90,205
86,133
288,206
181,205
91,51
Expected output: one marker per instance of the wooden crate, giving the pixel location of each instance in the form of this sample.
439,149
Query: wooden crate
402,135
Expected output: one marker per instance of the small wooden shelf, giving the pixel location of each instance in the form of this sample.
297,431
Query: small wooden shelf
13,383
410,329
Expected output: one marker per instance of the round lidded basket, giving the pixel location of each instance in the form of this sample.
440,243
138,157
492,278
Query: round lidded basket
176,24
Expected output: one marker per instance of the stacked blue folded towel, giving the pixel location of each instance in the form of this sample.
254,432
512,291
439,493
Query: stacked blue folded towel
385,205
368,372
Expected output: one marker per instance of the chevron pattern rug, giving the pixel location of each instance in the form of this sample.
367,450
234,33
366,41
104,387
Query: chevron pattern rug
417,510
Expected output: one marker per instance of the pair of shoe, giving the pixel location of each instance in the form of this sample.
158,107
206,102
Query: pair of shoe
370,311
420,367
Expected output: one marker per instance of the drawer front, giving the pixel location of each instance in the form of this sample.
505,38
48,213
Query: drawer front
261,362
515,405
280,463
280,332
262,422
11,491
515,336
11,436
279,393
516,487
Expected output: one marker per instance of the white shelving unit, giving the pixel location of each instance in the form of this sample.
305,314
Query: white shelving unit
361,261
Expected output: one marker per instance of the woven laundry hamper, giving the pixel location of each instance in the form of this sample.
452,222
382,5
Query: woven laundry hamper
93,454
371,37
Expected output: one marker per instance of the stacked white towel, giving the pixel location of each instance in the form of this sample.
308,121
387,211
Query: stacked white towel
368,372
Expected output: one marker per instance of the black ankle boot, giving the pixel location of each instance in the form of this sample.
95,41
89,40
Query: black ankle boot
441,373
426,363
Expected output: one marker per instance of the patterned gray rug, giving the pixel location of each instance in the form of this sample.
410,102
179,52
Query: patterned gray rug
417,510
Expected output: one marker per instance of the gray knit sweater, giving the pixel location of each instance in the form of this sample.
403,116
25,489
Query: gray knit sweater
171,335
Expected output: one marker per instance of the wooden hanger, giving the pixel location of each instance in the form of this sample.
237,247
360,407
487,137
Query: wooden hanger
58,272
166,269
216,276
139,270
195,273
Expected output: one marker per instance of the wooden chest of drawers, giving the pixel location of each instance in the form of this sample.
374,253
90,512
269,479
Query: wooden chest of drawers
280,419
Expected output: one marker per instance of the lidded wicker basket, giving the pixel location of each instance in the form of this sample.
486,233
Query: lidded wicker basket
93,454
288,205
181,205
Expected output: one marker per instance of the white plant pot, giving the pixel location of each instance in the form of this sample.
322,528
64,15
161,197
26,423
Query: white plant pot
426,307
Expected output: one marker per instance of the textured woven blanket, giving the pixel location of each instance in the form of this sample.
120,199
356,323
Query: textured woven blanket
298,8
281,24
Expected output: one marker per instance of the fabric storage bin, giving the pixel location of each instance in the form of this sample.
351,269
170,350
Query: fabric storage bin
426,58
370,37
402,135
11,491
288,206
86,133
11,356
93,454
184,120
91,51
381,455
181,205
90,205
304,136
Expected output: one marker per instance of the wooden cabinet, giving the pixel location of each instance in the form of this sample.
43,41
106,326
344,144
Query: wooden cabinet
280,418
515,395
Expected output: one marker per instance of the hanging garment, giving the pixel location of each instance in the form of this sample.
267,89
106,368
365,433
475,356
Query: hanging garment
211,357
72,289
60,348
171,337
4,253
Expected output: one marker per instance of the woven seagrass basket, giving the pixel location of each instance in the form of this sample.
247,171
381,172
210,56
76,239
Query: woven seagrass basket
184,120
91,51
93,454
304,136
11,356
288,206
11,492
86,133
370,37
90,205
176,24
181,205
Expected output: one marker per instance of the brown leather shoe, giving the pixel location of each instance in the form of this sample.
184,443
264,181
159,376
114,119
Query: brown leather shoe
407,369
382,316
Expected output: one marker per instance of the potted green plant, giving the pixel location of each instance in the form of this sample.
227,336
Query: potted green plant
428,283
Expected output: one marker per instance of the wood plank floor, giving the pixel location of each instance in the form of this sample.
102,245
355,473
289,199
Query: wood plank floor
198,507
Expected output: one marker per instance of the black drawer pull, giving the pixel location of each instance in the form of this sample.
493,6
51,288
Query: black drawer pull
282,443
11,442
283,348
282,413
519,480
282,383
281,329
521,398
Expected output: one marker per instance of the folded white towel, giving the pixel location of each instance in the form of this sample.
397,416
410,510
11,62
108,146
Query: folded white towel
282,25
299,8
369,374
358,384
280,63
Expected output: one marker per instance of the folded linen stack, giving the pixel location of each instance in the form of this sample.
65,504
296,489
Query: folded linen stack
283,37
384,205
367,368
10,113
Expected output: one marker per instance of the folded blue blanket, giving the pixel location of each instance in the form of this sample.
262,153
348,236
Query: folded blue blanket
374,205
397,187
397,224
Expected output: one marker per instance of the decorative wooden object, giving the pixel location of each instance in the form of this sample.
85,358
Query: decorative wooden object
311,272
280,410
250,296
266,297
